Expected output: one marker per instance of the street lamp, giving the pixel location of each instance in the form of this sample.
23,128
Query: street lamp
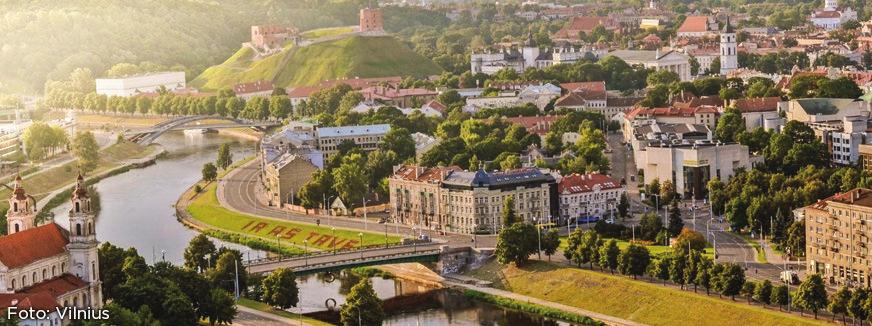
539,237
386,234
360,235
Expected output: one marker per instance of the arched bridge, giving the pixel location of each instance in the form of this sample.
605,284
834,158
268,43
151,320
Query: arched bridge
329,261
146,136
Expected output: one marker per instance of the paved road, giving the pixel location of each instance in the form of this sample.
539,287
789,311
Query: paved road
250,317
241,190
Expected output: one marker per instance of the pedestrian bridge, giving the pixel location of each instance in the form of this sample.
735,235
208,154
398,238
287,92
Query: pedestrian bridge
329,261
148,135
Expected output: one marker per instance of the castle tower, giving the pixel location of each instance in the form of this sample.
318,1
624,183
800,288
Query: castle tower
83,242
831,5
22,210
371,20
729,57
530,51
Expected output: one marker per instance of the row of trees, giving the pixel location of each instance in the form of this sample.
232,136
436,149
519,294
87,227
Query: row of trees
518,240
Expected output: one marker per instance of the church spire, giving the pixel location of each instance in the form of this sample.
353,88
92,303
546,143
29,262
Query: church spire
21,213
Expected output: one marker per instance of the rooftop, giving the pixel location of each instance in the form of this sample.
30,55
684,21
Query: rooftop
366,130
581,183
18,249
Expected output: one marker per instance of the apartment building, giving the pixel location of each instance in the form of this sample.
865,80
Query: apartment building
837,231
367,137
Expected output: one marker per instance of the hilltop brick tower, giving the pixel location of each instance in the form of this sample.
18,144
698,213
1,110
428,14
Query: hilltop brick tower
371,20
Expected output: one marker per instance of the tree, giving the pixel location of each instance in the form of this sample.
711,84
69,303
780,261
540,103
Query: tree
510,162
856,304
589,248
748,290
763,292
717,194
228,270
515,244
811,294
177,310
111,274
86,150
703,275
350,178
730,124
362,306
572,244
780,296
634,260
280,289
731,280
690,239
660,268
623,206
509,217
225,157
839,303
210,172
400,141
649,226
221,308
608,255
676,224
199,253
677,267
550,242
280,106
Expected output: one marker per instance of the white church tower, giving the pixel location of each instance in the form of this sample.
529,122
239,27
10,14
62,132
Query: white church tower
83,242
22,211
530,51
729,57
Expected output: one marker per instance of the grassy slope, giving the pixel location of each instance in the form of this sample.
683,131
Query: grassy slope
348,57
207,209
329,31
626,298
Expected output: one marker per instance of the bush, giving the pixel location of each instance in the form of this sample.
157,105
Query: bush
607,230
198,189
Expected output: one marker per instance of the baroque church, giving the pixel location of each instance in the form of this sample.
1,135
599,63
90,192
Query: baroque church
45,266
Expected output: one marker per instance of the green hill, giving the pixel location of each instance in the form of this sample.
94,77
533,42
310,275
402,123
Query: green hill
354,56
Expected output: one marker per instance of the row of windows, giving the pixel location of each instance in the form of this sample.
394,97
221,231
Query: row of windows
34,276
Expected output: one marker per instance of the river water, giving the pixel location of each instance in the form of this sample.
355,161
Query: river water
137,211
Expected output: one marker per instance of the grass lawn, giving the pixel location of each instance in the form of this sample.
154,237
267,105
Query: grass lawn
655,250
755,243
207,209
43,183
630,299
260,306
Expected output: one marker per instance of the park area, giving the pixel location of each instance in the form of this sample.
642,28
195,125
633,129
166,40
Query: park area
635,300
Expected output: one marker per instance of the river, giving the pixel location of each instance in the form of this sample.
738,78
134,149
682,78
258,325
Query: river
137,211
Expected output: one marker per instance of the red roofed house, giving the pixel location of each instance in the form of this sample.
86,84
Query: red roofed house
582,95
697,26
584,24
537,125
47,266
707,115
589,197
757,110
262,88
301,94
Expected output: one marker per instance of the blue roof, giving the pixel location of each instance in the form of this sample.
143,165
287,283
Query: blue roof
365,130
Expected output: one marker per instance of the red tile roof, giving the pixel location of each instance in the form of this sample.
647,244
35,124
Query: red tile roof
584,24
694,24
359,83
669,112
424,174
594,87
40,301
827,14
538,124
570,100
25,247
304,91
693,102
760,104
435,105
580,183
255,87
57,286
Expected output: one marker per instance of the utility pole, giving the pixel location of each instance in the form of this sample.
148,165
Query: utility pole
236,279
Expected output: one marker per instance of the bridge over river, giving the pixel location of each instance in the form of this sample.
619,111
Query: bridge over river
328,261
148,135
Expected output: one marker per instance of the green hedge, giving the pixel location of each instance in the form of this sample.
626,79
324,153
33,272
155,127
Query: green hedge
531,308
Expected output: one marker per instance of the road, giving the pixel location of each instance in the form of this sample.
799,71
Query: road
328,260
242,191
730,247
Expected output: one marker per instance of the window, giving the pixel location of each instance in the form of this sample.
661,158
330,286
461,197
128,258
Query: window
78,226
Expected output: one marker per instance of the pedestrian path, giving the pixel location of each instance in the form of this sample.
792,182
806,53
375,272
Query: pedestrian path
608,320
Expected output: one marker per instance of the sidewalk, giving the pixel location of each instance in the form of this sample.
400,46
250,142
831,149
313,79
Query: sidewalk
252,317
608,320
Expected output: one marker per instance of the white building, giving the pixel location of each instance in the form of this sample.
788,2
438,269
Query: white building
832,17
530,56
729,56
588,197
691,166
676,62
46,266
756,111
366,137
148,83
